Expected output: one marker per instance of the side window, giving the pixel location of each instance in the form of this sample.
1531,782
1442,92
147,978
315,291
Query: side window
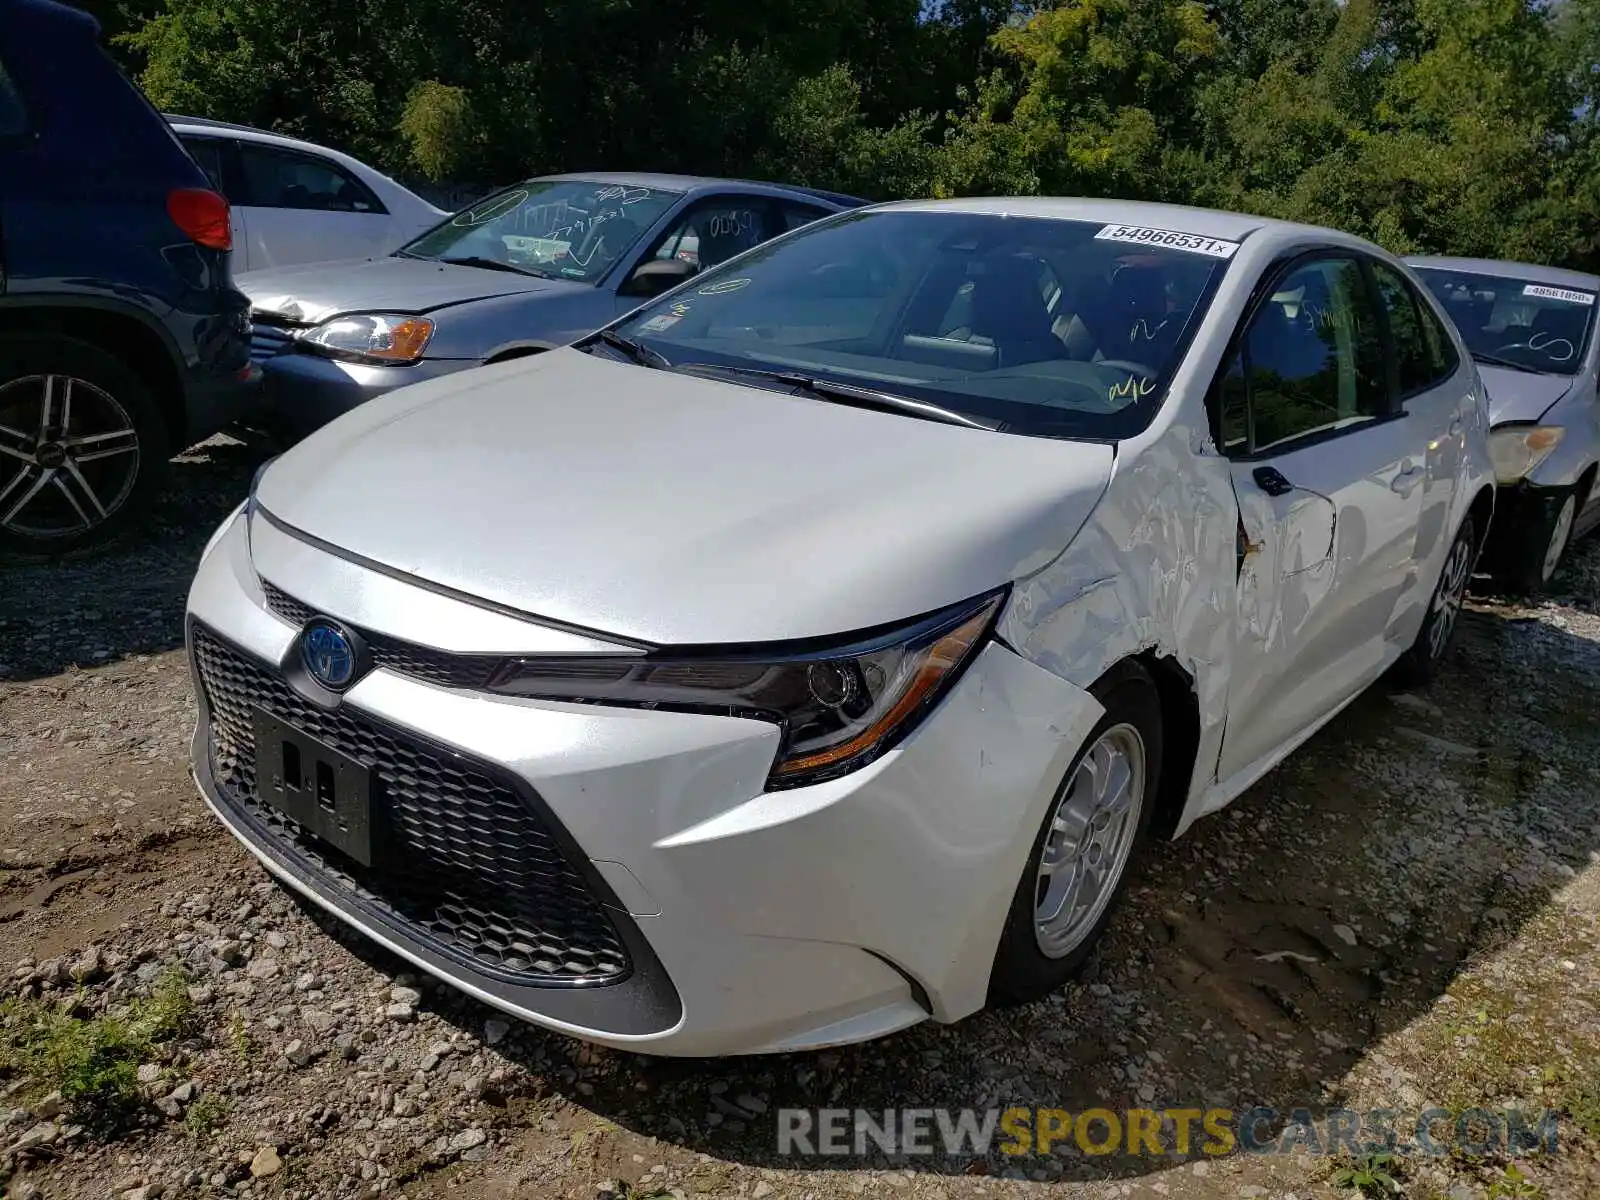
13,120
207,152
274,178
1417,362
1312,359
713,232
796,215
1442,356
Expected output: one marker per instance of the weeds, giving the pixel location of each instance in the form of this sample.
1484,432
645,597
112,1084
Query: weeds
1368,1175
1513,1184
206,1113
93,1061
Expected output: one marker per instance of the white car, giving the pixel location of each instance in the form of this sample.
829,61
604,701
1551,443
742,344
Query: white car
297,202
807,654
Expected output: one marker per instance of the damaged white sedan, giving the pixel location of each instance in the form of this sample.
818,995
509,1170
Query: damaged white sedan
809,653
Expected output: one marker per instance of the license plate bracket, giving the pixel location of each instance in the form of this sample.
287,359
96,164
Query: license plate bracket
326,792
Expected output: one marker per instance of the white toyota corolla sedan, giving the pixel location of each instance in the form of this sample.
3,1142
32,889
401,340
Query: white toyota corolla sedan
808,654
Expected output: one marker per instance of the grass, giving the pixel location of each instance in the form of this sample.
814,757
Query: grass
1514,1185
93,1061
206,1113
1368,1175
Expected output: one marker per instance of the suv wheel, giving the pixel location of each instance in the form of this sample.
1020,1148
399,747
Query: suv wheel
82,447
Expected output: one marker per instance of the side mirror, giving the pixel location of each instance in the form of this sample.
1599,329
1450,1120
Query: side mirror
657,276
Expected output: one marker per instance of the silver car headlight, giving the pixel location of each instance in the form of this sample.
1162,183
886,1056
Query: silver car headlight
388,338
1517,449
839,708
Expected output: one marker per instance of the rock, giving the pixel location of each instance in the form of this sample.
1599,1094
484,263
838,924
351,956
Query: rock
199,993
149,1072
476,1154
495,1030
318,1020
87,966
428,1063
150,1191
228,950
276,940
44,1133
467,1139
52,1106
405,1106
405,995
611,1189
184,1092
300,1054
305,981
263,968
345,1044
399,1012
266,1163
762,1190
751,1103
28,1190
1345,934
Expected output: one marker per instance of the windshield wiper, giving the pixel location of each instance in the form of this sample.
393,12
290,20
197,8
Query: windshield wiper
491,264
849,393
1494,360
637,351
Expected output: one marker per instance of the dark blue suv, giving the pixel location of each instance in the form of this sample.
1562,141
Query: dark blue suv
122,337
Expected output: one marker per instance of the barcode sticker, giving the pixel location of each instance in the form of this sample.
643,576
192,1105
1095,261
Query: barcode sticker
1555,293
1169,239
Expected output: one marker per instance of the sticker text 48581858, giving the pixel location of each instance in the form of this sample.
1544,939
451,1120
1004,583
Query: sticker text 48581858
1167,239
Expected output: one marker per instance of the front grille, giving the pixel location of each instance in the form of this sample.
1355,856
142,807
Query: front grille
265,341
464,863
407,658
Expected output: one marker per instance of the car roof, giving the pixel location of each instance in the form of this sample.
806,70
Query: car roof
1207,222
1506,269
699,183
248,132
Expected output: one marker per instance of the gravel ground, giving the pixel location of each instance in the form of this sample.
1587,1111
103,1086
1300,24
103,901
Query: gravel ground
1405,914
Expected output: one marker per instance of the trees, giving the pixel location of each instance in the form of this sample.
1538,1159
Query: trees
1468,126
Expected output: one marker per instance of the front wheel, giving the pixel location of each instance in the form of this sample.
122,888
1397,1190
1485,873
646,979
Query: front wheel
1421,662
1537,558
1077,868
82,447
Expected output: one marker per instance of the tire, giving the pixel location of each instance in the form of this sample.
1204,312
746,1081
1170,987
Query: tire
83,447
1032,960
1542,544
1419,664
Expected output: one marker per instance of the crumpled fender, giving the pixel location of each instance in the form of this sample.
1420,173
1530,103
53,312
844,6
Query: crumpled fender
1154,569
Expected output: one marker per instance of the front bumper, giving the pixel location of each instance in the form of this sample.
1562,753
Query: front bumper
307,390
1521,511
753,921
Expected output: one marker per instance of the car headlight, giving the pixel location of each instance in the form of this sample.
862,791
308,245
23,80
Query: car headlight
371,337
839,708
1517,449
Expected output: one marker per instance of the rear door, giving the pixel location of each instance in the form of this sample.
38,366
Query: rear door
301,207
1329,486
1436,397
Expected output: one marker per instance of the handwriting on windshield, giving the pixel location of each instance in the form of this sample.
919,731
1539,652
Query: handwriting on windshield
626,195
496,206
1133,388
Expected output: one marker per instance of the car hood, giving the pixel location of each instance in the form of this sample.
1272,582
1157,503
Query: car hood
673,509
313,292
1521,395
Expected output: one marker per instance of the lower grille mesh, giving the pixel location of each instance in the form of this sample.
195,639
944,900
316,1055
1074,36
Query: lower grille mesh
465,864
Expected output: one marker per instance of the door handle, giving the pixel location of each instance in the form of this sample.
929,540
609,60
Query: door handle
1408,480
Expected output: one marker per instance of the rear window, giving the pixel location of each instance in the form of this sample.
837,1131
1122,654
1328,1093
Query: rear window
13,120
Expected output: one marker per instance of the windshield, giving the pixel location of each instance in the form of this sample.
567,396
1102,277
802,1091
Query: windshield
562,228
1521,322
1032,325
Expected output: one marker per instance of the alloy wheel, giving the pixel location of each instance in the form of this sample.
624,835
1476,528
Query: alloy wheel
1089,841
1448,596
1559,536
69,456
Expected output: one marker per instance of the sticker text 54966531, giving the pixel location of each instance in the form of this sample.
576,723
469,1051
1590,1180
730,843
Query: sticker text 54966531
1167,239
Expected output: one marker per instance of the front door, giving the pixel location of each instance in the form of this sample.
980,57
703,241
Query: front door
1328,476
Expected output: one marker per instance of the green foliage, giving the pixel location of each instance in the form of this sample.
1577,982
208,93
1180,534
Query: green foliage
93,1062
1455,126
1370,1175
1514,1184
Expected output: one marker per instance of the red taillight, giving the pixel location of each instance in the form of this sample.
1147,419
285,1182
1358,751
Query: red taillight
202,215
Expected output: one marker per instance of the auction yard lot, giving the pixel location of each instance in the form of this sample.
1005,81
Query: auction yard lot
1404,916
